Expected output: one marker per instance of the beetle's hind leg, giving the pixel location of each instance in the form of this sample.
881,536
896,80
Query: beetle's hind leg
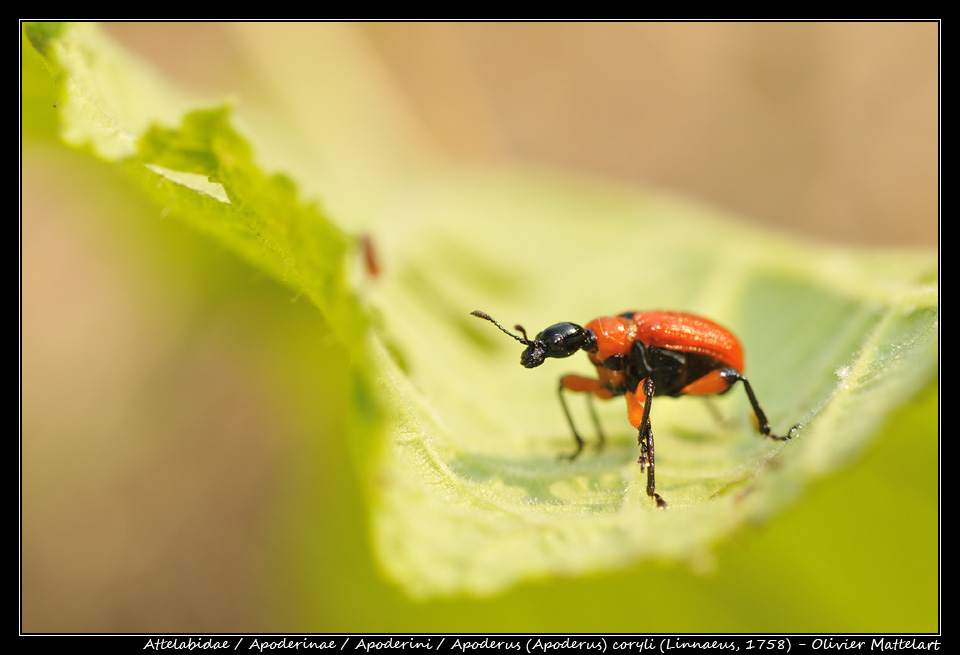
763,424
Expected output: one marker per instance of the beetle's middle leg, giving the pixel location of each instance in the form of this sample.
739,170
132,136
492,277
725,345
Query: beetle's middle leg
640,419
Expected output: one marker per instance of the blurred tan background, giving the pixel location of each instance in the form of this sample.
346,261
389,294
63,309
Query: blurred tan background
167,412
828,130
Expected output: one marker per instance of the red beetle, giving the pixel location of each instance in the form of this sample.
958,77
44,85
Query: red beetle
640,355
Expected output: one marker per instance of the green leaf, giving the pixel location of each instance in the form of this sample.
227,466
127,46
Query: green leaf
474,499
197,166
467,494
42,34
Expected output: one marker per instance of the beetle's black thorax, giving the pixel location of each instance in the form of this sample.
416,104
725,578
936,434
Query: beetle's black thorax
670,370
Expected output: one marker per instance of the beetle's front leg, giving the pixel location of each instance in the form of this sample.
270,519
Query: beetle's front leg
581,384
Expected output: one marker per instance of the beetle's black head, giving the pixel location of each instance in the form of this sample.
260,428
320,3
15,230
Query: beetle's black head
560,340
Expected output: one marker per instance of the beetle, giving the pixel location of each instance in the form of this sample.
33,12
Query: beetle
641,355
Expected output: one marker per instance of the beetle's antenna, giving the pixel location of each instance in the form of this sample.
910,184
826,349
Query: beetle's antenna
519,328
487,316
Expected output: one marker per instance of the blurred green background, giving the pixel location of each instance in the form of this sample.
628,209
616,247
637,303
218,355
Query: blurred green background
183,461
